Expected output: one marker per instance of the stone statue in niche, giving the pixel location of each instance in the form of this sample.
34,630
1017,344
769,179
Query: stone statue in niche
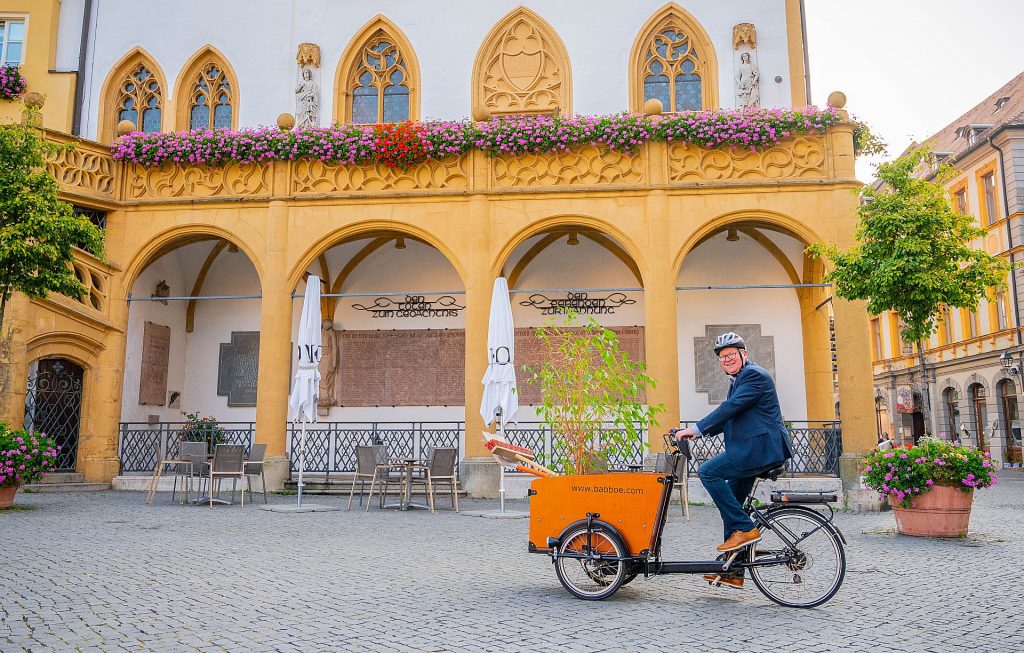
307,100
328,365
748,83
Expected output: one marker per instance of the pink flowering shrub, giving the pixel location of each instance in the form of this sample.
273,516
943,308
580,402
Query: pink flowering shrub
24,456
903,474
12,83
753,129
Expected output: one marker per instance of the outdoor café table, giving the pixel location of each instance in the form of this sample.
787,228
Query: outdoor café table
406,501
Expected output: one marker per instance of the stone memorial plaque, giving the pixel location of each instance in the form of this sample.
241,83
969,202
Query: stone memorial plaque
427,367
238,368
156,352
709,375
531,351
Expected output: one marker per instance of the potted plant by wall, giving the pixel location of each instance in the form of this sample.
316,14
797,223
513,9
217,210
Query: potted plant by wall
591,395
930,485
202,429
24,457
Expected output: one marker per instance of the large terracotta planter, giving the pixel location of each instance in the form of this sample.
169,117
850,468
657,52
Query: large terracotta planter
942,512
7,496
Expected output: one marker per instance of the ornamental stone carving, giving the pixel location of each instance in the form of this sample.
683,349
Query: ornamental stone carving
584,167
308,55
171,181
307,91
801,158
311,177
744,34
83,171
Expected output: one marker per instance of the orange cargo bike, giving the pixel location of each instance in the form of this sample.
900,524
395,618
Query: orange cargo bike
604,530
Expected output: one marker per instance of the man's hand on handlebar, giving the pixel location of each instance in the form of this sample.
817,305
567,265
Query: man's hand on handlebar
679,435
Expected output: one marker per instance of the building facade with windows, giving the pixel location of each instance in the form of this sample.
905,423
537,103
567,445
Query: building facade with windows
973,359
194,307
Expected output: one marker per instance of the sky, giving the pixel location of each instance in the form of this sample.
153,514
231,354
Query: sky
911,67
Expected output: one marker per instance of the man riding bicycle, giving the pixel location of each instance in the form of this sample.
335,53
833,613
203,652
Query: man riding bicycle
756,440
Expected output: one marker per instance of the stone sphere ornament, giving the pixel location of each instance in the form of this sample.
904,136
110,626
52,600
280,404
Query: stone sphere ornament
286,121
34,100
837,99
481,114
125,127
653,107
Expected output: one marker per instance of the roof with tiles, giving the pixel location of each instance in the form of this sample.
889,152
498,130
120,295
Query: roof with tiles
1004,107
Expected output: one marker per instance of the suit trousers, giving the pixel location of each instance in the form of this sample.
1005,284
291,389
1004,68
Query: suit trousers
728,488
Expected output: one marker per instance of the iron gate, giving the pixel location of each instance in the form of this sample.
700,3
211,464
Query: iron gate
53,405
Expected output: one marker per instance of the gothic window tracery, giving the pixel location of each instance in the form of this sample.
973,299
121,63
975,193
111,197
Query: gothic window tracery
674,62
140,99
380,82
210,100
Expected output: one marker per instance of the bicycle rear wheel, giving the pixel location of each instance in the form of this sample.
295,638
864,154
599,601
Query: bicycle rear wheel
588,577
812,562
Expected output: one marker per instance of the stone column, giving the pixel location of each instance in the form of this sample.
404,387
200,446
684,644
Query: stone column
661,333
480,475
275,349
98,457
817,354
856,398
13,361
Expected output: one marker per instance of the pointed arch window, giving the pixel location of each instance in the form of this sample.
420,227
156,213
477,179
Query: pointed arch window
380,82
211,101
140,99
674,62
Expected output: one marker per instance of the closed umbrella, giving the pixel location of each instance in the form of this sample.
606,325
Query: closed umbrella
306,388
500,401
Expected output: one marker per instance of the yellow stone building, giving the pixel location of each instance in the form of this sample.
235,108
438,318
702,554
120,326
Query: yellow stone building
655,225
973,359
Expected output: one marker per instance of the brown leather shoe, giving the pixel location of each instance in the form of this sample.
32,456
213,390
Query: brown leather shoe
723,581
740,539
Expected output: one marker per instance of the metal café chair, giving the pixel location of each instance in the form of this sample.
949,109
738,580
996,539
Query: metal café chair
254,468
441,467
195,467
177,464
228,462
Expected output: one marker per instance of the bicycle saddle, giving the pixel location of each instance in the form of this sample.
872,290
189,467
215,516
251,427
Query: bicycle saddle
772,474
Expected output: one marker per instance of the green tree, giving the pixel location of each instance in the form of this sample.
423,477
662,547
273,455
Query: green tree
588,382
914,253
38,232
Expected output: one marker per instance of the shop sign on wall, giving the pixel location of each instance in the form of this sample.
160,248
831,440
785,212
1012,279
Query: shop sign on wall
578,302
412,306
904,399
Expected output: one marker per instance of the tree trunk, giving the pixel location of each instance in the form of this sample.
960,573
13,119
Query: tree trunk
932,423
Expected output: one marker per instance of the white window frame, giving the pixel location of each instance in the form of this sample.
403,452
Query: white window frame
6,20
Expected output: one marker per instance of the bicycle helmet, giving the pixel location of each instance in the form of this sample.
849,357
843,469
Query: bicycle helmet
729,340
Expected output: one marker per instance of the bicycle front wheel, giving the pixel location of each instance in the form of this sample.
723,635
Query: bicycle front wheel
594,569
811,562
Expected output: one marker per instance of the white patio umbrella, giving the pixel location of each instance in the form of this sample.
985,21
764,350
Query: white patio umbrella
500,401
306,388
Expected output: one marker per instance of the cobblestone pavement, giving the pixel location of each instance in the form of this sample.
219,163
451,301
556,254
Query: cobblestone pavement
103,572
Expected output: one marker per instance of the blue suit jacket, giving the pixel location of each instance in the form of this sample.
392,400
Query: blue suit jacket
751,419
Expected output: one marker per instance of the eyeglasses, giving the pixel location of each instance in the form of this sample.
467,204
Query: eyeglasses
729,357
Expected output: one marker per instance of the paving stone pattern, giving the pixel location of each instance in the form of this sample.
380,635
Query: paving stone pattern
103,572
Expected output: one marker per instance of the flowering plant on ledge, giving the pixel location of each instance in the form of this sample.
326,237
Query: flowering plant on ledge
903,474
754,129
12,83
24,456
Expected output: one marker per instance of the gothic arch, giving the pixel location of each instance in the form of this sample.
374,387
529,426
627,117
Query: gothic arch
354,59
624,245
209,62
114,89
699,51
522,67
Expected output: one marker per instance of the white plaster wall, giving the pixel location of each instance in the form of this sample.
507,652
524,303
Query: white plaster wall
69,34
168,269
231,274
776,310
260,39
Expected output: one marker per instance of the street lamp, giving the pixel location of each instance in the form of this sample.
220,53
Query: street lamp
1010,365
878,411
